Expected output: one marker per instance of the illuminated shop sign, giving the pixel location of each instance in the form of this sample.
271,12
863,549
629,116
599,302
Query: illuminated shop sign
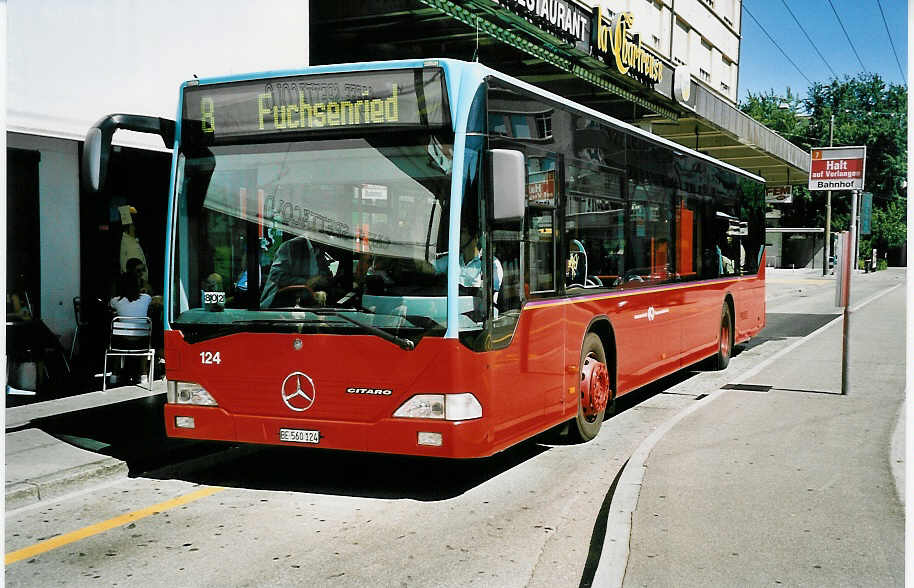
220,113
615,44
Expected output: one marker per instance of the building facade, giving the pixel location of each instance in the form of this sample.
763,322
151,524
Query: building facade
703,35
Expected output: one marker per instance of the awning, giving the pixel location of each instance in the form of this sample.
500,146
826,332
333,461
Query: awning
726,133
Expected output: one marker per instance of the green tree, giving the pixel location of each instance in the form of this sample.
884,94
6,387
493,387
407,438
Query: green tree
866,111
782,114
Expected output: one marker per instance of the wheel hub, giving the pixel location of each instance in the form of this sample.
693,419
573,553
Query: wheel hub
594,387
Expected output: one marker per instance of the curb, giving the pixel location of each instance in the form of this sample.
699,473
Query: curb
52,486
614,556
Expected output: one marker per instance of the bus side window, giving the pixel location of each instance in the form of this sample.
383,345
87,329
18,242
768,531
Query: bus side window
649,254
594,221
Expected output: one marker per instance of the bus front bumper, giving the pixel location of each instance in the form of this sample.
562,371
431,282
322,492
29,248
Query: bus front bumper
426,437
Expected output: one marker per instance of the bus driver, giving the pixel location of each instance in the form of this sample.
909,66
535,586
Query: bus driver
299,272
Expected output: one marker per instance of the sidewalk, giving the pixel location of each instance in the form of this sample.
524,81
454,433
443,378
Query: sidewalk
790,483
41,467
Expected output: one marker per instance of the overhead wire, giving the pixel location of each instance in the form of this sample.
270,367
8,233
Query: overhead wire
847,36
775,43
828,65
891,42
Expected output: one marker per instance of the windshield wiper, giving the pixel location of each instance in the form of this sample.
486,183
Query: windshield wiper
338,313
399,341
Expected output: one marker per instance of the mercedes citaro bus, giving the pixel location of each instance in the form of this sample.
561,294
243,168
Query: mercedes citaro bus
429,257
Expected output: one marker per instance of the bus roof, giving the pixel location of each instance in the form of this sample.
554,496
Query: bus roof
481,71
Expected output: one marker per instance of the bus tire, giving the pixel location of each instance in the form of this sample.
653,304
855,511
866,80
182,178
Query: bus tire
594,393
724,339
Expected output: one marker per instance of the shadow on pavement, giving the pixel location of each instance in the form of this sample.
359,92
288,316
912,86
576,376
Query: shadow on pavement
343,473
132,431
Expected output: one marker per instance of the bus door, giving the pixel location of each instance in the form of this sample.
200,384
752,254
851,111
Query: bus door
529,374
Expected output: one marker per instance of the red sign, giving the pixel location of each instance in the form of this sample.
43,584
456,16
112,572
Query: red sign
833,169
541,190
837,168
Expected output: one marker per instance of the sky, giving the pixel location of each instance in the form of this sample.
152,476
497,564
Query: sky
763,67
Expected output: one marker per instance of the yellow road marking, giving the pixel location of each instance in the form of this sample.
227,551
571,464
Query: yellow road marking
61,540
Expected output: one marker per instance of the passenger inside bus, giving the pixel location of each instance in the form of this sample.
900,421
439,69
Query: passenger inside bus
725,266
299,276
471,275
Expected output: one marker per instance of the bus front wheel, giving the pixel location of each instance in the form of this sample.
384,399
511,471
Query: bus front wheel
593,388
725,339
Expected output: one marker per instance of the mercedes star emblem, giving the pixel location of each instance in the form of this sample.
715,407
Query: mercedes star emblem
298,391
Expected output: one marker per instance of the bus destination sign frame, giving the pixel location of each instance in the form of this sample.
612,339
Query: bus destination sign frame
270,108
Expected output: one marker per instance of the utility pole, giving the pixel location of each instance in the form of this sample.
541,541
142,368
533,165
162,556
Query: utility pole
831,143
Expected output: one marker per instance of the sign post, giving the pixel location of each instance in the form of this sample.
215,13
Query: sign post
842,168
849,257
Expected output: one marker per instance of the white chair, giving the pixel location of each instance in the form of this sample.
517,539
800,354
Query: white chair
130,337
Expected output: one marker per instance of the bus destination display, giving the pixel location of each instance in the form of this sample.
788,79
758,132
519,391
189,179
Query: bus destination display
224,113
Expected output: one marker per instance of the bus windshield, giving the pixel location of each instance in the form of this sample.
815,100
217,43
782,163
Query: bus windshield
327,234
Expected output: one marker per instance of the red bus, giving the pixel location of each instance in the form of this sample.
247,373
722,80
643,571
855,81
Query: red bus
433,258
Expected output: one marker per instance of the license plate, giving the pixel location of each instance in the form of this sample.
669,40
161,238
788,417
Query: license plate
299,436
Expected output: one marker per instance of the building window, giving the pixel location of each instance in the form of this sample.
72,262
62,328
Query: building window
704,75
544,125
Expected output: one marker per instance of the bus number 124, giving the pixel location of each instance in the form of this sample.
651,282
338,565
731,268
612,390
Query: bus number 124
209,358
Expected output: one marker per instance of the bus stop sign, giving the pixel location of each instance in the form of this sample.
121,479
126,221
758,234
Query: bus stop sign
837,168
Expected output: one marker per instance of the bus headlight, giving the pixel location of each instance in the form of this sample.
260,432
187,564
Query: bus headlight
451,407
188,393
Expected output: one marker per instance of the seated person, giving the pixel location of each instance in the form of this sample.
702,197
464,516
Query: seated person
471,272
471,263
16,308
300,263
725,265
576,266
130,302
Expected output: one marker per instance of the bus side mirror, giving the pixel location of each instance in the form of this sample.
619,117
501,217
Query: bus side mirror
97,147
96,152
508,173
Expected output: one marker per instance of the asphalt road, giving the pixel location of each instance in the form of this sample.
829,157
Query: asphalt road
530,516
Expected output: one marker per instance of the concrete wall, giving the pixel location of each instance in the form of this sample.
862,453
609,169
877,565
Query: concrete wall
58,187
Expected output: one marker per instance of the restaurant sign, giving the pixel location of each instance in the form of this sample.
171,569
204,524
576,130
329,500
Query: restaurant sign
607,36
561,18
618,46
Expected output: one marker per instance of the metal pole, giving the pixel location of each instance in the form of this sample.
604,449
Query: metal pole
847,307
831,138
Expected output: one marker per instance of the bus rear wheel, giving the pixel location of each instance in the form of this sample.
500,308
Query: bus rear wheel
725,339
593,389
